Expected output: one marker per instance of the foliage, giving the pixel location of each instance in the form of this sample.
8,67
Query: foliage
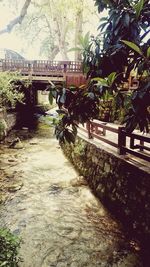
107,81
83,48
108,60
125,48
10,84
53,25
79,106
80,148
9,245
139,114
121,104
122,23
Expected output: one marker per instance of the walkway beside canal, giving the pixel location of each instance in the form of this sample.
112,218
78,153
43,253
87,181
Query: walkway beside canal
52,209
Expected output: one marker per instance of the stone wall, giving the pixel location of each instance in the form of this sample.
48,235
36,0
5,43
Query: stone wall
10,120
122,186
7,122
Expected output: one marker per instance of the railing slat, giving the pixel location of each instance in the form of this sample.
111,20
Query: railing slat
40,66
101,138
139,137
93,131
137,154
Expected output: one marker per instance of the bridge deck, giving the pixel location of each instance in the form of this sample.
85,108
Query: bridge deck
69,71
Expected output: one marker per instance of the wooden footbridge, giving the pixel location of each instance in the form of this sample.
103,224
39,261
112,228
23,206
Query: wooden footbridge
69,72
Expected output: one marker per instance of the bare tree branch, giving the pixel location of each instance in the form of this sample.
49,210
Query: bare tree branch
17,20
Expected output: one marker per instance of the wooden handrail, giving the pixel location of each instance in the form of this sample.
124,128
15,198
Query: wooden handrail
97,129
40,66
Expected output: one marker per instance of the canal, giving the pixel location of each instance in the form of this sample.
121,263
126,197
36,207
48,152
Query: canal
48,205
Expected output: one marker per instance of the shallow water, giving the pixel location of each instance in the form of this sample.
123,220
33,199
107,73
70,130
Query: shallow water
52,209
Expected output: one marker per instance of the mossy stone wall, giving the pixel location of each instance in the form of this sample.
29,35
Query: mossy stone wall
122,186
7,122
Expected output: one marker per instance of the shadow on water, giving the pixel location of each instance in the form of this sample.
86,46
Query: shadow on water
32,121
139,242
65,209
39,128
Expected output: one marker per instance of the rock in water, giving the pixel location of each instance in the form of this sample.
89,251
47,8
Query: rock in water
3,129
16,143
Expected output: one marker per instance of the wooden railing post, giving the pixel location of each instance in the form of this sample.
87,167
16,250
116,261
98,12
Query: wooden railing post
104,131
121,140
88,127
132,142
141,144
65,67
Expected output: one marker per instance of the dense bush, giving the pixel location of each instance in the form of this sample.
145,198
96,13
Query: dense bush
122,47
10,88
9,245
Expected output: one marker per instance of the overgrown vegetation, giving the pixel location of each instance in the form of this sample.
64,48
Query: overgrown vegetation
9,245
10,85
121,47
12,92
125,48
11,88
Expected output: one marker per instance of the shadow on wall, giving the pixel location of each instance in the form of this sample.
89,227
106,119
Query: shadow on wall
123,187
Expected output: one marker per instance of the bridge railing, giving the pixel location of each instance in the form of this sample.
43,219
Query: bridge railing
135,144
41,67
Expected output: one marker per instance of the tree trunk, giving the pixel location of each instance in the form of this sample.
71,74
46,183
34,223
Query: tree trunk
78,29
53,53
17,20
63,51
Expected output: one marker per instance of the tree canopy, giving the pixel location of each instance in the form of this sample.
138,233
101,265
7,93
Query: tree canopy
121,46
53,25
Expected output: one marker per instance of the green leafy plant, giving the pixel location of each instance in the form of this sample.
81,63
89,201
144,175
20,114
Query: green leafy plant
83,43
9,245
10,84
108,60
107,81
138,7
120,106
107,88
138,114
84,48
79,106
125,48
80,148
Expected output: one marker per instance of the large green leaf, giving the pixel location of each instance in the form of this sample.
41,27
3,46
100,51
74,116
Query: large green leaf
75,49
111,78
101,81
69,136
81,40
148,52
86,39
50,97
138,8
133,46
126,19
103,19
102,26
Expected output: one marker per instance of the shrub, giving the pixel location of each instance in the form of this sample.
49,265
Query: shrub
9,244
10,85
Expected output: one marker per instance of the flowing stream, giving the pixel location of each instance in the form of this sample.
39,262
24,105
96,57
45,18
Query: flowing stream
52,209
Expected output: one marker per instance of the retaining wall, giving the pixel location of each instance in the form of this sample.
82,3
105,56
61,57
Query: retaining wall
123,186
7,122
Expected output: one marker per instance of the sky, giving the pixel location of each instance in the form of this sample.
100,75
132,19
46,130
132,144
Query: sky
8,40
14,42
11,40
